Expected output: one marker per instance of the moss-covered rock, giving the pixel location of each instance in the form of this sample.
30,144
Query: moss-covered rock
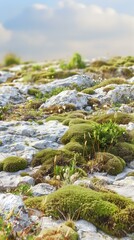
124,150
62,232
35,92
79,133
49,155
74,147
49,158
104,210
14,164
118,117
108,163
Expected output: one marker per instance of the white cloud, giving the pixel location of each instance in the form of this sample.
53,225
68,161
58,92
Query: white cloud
39,6
69,27
5,35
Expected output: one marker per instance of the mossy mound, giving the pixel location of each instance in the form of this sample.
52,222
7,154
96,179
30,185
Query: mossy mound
62,232
105,83
110,212
124,150
74,147
79,133
48,158
108,163
13,164
35,92
118,117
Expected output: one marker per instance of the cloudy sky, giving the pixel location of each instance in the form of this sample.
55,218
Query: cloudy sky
51,29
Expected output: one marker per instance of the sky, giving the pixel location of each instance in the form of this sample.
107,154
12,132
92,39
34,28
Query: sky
55,29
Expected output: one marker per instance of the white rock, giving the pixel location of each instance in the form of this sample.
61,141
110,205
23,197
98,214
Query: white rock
125,108
10,94
85,226
11,180
26,138
121,94
124,187
9,201
80,100
42,189
14,206
78,80
5,75
48,222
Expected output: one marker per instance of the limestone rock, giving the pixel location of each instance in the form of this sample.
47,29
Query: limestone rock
79,100
42,189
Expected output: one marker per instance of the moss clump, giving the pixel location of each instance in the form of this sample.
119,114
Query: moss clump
74,147
98,63
14,164
79,133
34,202
108,163
108,88
104,210
48,155
118,117
70,121
89,91
49,158
127,73
57,117
124,150
62,232
35,92
105,83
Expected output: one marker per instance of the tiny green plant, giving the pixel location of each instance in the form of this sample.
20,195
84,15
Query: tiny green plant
23,189
64,173
104,136
11,59
76,62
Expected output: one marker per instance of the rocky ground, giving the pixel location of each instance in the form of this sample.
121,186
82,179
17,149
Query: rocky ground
67,150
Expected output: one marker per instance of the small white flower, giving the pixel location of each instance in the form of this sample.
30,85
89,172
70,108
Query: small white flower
58,177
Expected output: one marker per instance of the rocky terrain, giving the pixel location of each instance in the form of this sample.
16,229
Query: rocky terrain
67,150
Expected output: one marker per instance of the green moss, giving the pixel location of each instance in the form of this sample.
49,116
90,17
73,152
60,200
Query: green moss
14,164
49,158
48,155
130,174
79,133
98,63
23,174
34,202
35,92
127,73
57,117
89,91
124,150
72,121
118,117
104,210
107,162
121,61
108,88
74,147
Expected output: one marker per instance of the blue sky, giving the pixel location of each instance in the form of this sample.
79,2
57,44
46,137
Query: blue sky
49,29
